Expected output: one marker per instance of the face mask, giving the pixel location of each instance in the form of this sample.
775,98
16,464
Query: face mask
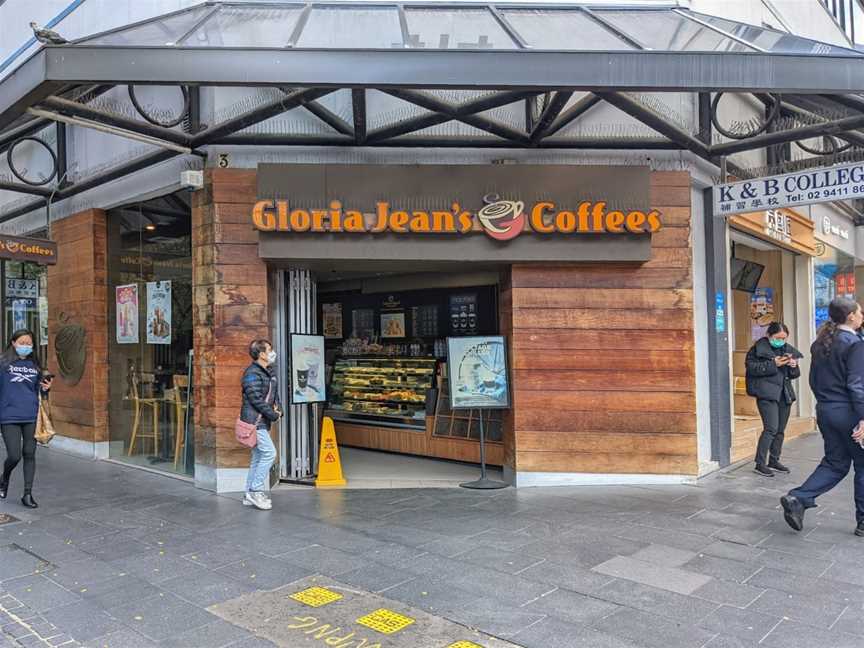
23,350
777,344
271,357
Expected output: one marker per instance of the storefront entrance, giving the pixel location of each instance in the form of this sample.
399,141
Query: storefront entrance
385,331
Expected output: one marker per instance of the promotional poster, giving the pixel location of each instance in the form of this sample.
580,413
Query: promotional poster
159,312
126,304
307,369
761,312
477,368
332,316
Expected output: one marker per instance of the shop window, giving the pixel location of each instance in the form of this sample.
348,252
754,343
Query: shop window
150,334
25,301
833,276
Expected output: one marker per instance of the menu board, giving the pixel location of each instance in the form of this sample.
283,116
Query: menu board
363,323
463,314
424,321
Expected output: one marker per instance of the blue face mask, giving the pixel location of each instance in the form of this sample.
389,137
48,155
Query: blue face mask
777,344
23,351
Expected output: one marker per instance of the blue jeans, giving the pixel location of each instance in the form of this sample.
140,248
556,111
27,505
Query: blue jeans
835,424
263,456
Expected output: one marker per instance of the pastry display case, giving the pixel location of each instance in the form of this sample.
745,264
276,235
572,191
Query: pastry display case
381,391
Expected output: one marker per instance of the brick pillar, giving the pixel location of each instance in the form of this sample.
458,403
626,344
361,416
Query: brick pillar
230,292
77,297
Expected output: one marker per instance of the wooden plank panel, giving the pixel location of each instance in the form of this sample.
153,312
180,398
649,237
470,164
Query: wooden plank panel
603,358
606,421
671,237
670,197
623,298
616,462
636,339
589,318
602,276
669,258
646,444
602,380
582,401
670,179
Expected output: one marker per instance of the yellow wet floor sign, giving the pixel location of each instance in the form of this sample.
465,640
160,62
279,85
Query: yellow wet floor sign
329,463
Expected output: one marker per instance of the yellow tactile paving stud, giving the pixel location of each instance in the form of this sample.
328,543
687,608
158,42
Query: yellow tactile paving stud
385,621
464,644
316,596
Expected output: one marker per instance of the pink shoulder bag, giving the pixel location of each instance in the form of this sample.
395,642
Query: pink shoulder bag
247,433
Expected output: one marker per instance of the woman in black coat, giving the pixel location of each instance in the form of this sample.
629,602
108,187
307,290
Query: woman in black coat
772,365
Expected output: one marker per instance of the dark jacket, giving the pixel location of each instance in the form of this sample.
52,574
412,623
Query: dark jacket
838,378
256,382
19,391
767,381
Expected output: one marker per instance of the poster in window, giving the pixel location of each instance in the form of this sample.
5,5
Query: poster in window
332,316
22,288
158,312
19,314
43,320
761,312
363,323
392,325
126,304
477,370
307,369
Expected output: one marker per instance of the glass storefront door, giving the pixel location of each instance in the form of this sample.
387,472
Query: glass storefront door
150,333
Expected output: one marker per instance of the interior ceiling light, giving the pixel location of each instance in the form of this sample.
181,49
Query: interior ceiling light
150,227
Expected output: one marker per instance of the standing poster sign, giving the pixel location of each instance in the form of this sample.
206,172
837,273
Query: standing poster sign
477,368
159,312
307,369
126,304
477,371
761,312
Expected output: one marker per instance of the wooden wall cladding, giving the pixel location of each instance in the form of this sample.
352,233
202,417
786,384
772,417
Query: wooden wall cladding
603,359
77,290
230,293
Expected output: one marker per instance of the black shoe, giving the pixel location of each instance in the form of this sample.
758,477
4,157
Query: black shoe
793,511
774,464
28,501
4,486
762,470
860,530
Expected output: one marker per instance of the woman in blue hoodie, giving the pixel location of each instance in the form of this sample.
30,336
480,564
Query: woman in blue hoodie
21,381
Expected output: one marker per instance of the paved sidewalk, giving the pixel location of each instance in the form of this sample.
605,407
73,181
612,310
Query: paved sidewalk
121,558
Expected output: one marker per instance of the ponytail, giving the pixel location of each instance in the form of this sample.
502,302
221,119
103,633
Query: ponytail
839,311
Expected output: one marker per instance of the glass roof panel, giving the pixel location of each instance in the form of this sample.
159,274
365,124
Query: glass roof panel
562,30
246,27
456,29
776,41
352,27
667,31
158,32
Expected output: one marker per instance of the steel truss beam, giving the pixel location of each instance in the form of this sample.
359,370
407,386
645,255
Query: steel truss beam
573,113
20,187
330,118
549,114
795,106
358,109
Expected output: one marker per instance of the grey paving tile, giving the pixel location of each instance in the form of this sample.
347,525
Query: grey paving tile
722,568
83,621
158,565
725,641
124,638
83,573
685,609
571,607
262,572
679,539
324,560
39,593
554,633
850,621
663,555
732,551
508,562
15,563
795,544
217,634
497,620
113,547
375,577
651,630
748,625
790,634
566,576
253,642
432,596
797,584
728,593
207,588
793,563
162,617
118,591
804,608
668,578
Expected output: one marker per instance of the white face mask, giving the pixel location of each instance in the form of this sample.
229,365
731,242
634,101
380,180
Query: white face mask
271,357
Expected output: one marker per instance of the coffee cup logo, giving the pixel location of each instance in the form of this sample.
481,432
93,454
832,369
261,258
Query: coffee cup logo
502,219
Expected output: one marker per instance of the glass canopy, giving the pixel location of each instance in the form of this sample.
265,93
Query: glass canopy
357,25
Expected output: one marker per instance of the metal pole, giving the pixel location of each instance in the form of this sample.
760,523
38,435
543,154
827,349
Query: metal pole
484,483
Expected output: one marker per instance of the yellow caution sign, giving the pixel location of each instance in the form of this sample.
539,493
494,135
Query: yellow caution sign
329,463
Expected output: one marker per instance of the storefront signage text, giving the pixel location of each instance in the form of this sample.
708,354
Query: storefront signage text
801,188
837,230
500,219
39,251
778,225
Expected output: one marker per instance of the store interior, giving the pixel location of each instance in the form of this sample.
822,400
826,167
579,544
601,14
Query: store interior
385,330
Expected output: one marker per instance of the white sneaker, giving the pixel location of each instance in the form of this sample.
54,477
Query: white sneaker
257,500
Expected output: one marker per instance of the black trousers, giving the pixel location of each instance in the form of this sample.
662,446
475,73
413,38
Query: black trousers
841,452
20,441
774,415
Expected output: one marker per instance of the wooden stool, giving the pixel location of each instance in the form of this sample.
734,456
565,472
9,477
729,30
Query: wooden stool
141,404
180,404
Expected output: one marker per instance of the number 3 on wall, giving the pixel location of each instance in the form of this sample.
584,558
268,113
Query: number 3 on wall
223,161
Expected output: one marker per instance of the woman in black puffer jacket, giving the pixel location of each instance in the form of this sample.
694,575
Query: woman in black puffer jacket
772,365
